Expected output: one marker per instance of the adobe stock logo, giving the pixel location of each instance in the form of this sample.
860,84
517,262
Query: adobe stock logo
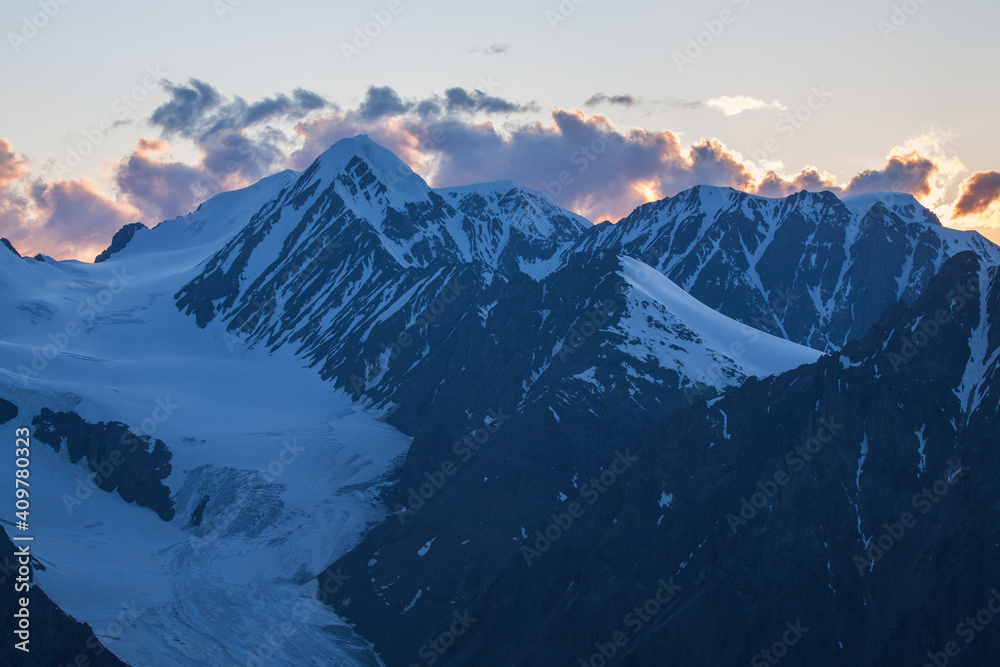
795,462
563,521
566,9
894,532
715,28
780,648
968,630
122,107
927,329
900,17
635,621
582,158
223,7
464,450
87,311
435,649
370,31
32,25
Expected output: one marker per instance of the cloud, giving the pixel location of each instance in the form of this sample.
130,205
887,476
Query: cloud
412,129
237,143
733,106
619,100
240,142
583,162
189,105
588,164
12,166
63,218
198,110
774,185
385,102
491,50
319,134
938,147
730,106
909,172
160,187
459,99
925,167
81,209
978,194
382,103
15,202
281,106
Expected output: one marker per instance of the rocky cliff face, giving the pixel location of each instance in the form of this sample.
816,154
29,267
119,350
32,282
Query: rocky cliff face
132,465
853,500
120,241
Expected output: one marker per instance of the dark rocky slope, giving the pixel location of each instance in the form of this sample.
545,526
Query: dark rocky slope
904,457
132,465
56,639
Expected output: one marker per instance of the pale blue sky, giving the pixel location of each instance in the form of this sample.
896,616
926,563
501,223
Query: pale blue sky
938,72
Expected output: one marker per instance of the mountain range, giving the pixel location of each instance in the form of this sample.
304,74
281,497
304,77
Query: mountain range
342,417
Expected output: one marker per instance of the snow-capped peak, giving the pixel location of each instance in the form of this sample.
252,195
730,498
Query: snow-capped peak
902,204
382,164
531,212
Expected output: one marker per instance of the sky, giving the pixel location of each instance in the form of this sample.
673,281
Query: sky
115,112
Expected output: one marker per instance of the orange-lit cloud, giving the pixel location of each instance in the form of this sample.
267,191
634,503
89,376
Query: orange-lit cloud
775,185
162,188
13,167
910,172
648,190
63,218
978,194
925,167
77,218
